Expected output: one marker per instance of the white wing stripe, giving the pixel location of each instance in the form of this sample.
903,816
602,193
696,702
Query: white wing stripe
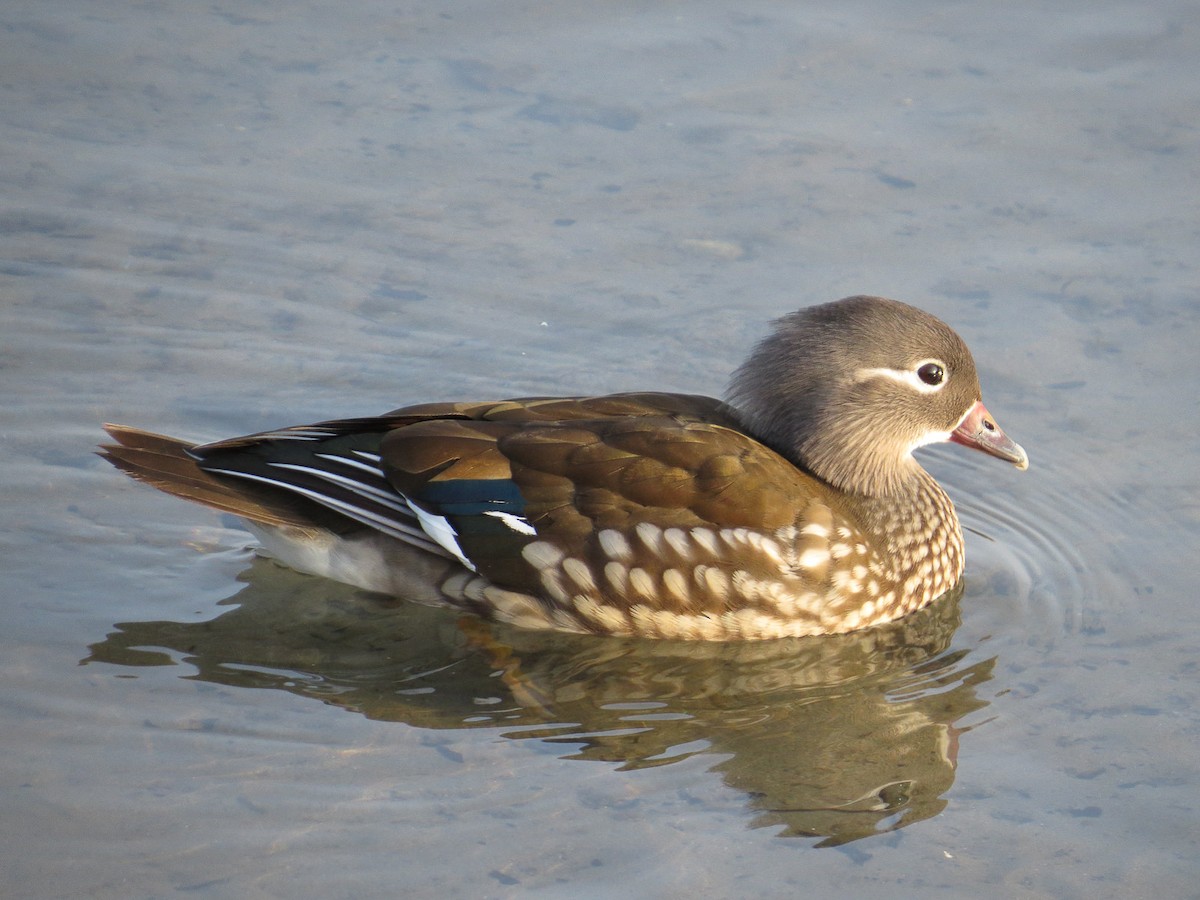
296,434
350,463
391,500
519,524
396,529
438,528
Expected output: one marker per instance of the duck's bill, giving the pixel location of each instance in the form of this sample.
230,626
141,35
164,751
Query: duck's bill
979,430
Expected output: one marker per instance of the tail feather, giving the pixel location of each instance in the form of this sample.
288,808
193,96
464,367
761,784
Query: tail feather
166,463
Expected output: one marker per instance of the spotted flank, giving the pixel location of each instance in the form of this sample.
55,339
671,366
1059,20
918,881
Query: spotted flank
678,588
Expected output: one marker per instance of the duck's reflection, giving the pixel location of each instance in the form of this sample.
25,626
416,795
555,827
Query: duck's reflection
837,737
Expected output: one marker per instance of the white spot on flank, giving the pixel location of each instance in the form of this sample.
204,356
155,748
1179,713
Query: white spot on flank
618,577
651,536
706,539
676,585
767,546
641,583
814,557
608,618
614,545
678,541
579,573
542,555
734,537
673,625
552,582
718,583
643,619
846,582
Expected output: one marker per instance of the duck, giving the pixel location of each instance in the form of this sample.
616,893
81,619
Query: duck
793,508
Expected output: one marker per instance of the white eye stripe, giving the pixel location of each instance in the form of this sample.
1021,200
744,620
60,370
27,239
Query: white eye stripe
906,376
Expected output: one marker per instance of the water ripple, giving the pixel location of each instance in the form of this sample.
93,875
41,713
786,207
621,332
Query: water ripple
1038,549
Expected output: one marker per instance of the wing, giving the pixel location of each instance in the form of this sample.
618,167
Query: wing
330,474
592,490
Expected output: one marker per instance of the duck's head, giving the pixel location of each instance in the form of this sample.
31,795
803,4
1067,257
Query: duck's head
848,390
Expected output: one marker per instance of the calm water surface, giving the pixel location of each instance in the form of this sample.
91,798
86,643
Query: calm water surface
222,218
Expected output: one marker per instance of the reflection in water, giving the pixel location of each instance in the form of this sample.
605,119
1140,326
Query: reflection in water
838,737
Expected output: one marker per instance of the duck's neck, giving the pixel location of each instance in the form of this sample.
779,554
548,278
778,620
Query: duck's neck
839,451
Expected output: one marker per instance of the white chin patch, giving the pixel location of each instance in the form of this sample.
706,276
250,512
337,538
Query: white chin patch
932,437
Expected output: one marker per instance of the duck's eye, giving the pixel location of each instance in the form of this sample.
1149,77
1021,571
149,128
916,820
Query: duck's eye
932,373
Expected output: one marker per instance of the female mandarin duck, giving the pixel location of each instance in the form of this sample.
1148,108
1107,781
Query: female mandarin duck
795,509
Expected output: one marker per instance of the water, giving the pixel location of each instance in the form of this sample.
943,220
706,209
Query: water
221,219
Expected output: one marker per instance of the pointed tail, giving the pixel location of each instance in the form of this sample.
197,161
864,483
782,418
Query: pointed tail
166,463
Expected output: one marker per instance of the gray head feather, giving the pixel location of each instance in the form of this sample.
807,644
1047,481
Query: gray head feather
809,391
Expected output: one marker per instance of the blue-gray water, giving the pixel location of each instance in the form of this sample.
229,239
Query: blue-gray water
219,218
